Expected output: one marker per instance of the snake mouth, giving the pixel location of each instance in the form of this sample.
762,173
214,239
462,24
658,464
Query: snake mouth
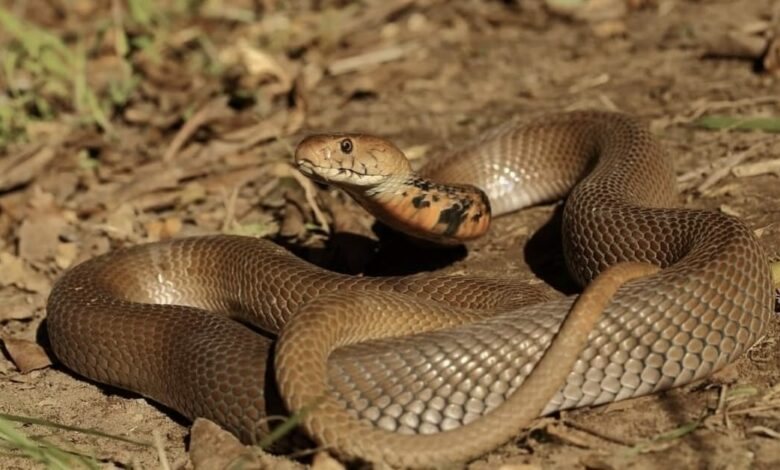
307,167
338,175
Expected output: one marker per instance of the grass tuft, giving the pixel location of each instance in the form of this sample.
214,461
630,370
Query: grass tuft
43,77
41,451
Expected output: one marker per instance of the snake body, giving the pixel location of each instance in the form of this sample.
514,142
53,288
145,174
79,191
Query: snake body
159,319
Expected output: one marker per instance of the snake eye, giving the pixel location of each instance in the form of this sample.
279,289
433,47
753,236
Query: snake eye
346,146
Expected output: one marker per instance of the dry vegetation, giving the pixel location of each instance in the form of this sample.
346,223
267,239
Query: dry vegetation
129,121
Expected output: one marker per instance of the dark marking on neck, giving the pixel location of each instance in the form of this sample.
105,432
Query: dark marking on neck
486,204
419,202
421,184
454,216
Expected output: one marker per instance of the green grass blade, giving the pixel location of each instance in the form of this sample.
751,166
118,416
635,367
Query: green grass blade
677,433
41,451
142,11
718,122
64,427
287,426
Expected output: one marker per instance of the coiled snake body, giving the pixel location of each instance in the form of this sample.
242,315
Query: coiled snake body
457,347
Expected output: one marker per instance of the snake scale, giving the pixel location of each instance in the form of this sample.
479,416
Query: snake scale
414,364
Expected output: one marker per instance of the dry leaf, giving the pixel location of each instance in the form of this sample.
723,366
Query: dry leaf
294,224
39,236
66,254
119,223
772,56
17,305
40,200
60,185
311,75
259,63
147,179
595,462
737,44
163,229
367,59
192,192
15,271
323,461
21,168
246,137
589,10
729,210
27,355
213,448
216,109
610,28
147,113
260,66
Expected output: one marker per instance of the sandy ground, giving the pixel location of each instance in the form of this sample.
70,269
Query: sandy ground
193,151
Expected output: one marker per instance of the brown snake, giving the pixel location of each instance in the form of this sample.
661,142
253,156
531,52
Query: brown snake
457,347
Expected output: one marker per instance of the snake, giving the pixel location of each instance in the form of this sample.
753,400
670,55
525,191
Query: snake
430,368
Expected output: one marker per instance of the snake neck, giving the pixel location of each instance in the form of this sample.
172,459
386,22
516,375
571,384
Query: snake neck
446,214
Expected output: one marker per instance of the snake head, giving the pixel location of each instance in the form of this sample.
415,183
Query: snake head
352,161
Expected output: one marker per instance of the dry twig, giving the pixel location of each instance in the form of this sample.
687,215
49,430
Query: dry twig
215,109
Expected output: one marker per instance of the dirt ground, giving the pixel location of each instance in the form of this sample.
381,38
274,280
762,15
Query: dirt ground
197,138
